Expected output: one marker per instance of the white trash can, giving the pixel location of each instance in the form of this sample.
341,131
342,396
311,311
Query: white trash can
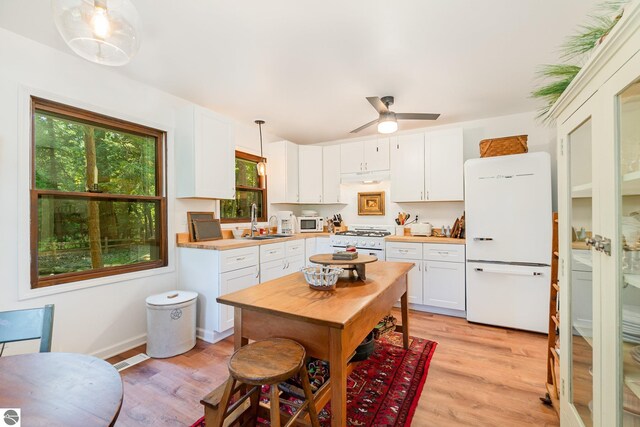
171,323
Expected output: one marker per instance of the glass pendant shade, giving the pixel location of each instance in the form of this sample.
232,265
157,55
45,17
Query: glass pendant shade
101,31
387,123
262,168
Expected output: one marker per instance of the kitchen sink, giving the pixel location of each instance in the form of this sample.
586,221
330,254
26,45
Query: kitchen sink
269,237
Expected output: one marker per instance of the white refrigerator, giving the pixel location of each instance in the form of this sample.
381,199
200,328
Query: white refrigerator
508,235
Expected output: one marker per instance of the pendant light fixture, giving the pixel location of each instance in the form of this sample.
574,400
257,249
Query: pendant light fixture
262,166
101,31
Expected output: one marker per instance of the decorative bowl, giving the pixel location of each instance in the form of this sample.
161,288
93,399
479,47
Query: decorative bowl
322,278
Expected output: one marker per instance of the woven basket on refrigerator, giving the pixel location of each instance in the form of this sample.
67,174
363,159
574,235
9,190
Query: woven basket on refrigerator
503,146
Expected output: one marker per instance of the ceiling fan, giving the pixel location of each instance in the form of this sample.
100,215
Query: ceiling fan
388,120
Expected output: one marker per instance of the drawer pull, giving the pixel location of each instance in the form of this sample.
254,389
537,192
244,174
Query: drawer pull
272,252
443,252
514,272
403,251
482,239
240,258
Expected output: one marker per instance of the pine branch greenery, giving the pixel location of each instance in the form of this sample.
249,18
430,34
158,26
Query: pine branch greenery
559,76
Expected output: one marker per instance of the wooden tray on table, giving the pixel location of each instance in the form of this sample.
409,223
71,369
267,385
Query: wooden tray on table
357,264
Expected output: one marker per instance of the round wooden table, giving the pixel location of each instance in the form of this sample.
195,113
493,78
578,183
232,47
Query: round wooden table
61,389
357,264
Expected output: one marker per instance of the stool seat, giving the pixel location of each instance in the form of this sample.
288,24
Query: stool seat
269,361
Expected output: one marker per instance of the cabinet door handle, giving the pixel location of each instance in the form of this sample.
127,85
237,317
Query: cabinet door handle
366,165
427,194
257,272
420,267
421,195
321,198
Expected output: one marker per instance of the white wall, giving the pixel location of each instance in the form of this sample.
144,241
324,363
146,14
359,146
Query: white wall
541,138
110,317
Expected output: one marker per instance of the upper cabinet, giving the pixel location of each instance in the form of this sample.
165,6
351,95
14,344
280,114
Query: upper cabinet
444,165
282,172
310,176
365,156
331,174
407,168
205,155
427,167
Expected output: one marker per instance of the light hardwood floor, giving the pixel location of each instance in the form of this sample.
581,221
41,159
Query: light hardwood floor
479,376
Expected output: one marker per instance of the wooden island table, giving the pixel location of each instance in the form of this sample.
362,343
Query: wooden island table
329,324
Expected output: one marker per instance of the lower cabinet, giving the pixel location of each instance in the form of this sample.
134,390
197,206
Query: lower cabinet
437,283
415,280
233,281
444,284
289,259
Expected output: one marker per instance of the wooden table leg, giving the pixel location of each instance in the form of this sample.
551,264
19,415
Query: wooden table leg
238,339
338,375
404,306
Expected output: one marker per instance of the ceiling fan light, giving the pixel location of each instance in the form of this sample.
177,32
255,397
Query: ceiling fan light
387,124
101,31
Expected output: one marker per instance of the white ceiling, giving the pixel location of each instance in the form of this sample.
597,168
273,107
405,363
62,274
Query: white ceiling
306,66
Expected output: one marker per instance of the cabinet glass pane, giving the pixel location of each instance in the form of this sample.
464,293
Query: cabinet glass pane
581,289
629,227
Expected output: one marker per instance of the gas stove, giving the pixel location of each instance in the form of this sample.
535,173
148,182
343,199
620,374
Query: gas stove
368,239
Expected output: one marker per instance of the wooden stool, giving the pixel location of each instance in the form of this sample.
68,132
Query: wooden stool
266,362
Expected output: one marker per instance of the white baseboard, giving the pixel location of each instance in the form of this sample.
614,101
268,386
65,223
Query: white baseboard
120,347
438,310
212,336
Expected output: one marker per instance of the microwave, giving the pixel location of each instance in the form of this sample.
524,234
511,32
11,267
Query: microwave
310,224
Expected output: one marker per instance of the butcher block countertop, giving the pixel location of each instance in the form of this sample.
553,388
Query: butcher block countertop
291,297
226,244
424,239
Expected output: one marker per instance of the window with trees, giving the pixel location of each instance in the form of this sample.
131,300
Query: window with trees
250,188
98,205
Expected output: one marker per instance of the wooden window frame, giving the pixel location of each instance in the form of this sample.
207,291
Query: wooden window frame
84,116
262,181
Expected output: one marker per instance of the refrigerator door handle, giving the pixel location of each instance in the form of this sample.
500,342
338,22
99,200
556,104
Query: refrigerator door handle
515,272
482,239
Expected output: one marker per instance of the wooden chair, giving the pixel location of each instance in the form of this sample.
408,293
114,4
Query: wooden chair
266,362
29,324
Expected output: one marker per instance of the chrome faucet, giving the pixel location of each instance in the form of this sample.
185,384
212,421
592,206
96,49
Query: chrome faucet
254,218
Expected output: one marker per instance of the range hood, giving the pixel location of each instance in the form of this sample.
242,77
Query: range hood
365,177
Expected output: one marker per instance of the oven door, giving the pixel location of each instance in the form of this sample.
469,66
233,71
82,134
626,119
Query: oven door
375,252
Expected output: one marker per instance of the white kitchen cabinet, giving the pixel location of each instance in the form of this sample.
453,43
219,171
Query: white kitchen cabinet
323,245
309,249
233,281
279,259
376,155
427,167
213,273
598,119
351,157
444,284
272,270
365,156
414,295
438,281
310,174
282,172
204,155
331,174
407,168
444,165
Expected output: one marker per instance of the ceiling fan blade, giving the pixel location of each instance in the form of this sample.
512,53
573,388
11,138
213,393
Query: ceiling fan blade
377,104
416,116
373,122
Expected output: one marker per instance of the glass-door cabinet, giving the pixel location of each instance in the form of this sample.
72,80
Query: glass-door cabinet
598,121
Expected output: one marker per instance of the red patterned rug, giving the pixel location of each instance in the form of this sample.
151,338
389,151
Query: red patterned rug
383,390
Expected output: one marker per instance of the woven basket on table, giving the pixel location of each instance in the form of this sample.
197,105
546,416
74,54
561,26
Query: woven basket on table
503,146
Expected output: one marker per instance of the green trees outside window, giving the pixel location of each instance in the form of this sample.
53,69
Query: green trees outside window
97,196
249,190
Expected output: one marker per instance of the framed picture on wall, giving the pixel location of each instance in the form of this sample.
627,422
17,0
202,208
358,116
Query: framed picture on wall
371,203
